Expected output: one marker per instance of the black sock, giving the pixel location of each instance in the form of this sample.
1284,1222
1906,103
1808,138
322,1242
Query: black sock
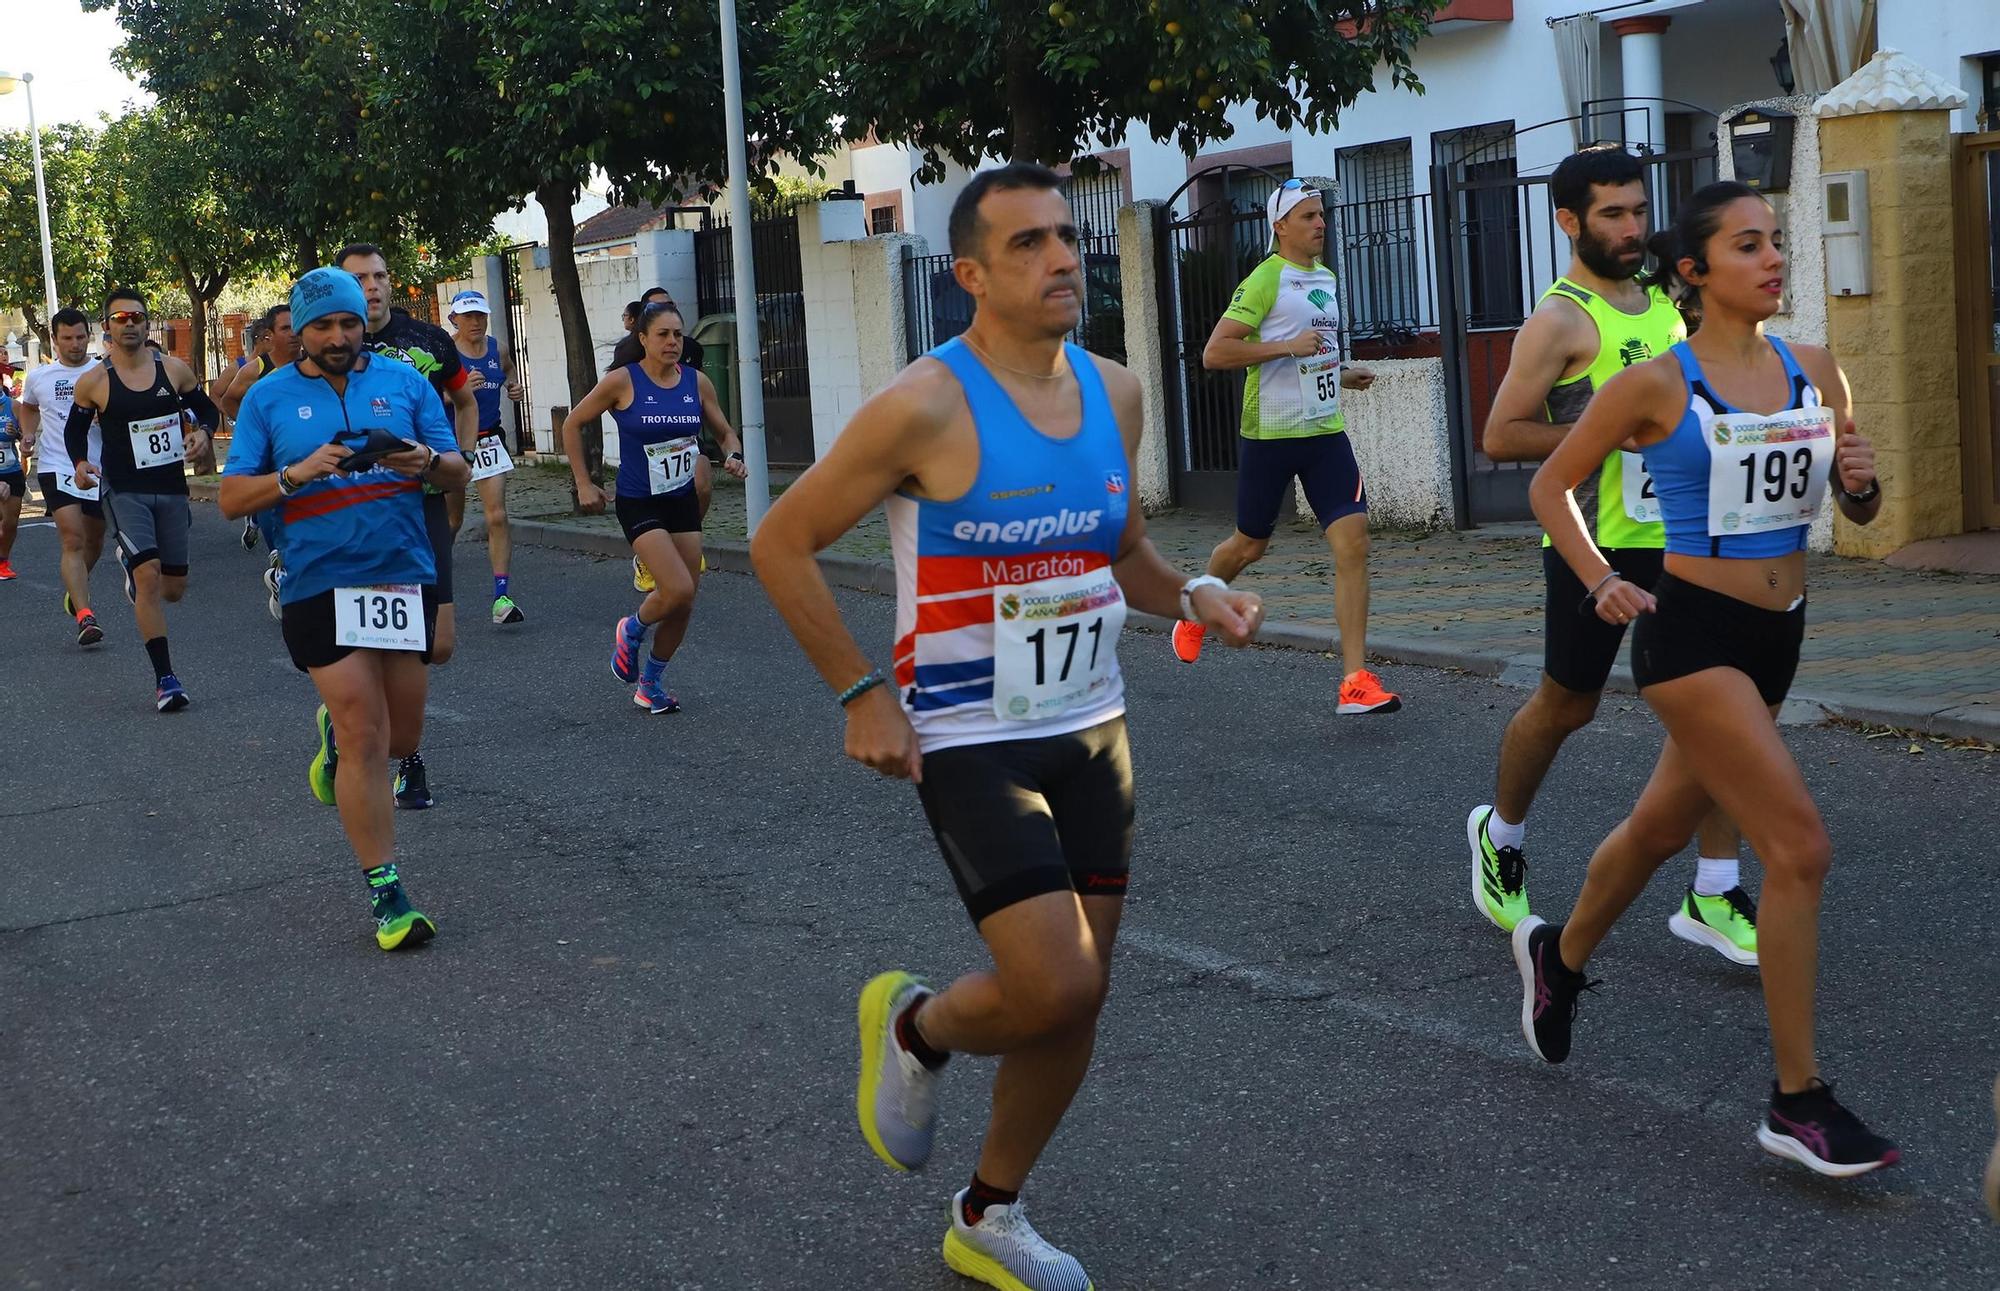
983,1194
156,650
913,1043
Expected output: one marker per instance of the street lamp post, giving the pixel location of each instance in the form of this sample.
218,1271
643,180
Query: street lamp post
27,83
749,357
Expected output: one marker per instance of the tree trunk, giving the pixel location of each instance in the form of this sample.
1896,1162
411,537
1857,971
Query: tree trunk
1028,97
44,334
197,320
581,356
306,247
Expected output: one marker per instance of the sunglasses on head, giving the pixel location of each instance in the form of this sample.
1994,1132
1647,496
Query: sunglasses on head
1299,186
128,316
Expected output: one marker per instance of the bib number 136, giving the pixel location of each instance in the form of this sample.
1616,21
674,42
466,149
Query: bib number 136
386,617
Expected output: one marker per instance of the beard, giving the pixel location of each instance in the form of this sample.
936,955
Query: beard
334,360
1607,261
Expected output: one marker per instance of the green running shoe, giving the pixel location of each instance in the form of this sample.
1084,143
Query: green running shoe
1726,924
505,611
1499,874
397,924
320,774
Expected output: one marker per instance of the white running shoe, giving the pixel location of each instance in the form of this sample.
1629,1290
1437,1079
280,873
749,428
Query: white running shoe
1004,1250
274,577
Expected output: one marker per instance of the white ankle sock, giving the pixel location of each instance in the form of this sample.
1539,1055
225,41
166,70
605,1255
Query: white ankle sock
1714,877
1502,834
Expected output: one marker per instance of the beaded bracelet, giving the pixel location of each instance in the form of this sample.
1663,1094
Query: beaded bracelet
867,683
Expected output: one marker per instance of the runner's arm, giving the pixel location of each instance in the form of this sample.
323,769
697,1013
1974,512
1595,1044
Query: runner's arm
884,445
239,386
450,467
512,382
712,417
464,415
1230,348
1147,581
193,398
249,478
82,411
1626,410
603,398
1518,429
31,422
1854,455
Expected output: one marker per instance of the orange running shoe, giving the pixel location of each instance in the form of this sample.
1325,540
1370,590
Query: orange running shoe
1362,693
6,572
1187,640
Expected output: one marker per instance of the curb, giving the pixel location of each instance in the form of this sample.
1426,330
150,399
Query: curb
859,573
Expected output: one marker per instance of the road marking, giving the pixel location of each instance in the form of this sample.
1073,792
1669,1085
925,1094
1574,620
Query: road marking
1506,1047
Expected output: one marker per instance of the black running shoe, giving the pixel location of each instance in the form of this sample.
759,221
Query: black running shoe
1549,990
1809,1127
413,785
87,631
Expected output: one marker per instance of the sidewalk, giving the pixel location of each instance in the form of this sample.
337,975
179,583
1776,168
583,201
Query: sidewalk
1892,646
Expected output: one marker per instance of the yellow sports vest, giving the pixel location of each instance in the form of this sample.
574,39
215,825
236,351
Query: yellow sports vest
1623,339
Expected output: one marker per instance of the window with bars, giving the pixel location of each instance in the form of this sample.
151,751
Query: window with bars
882,219
1489,220
1376,230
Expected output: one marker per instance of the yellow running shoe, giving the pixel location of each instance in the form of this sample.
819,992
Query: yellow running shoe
642,578
896,1098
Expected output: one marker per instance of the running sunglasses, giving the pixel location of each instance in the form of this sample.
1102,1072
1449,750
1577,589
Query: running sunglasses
1299,185
123,316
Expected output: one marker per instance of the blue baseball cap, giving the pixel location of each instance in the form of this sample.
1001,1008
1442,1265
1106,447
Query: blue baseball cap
326,291
470,302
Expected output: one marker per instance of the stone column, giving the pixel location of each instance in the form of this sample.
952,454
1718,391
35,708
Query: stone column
1139,283
1899,344
1640,64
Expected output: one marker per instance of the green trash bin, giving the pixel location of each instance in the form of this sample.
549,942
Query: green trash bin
717,336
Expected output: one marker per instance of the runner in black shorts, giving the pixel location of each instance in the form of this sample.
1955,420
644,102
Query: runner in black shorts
46,397
358,605
140,399
660,405
1022,768
1594,322
430,350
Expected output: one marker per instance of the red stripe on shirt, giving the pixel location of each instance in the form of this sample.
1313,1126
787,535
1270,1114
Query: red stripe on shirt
331,500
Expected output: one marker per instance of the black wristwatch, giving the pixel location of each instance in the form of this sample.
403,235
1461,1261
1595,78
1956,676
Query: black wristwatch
1867,495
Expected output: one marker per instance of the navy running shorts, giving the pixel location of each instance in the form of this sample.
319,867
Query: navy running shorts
437,523
1579,647
676,512
1324,464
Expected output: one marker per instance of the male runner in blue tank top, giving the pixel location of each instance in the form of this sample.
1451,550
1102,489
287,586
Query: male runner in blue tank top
490,370
1004,459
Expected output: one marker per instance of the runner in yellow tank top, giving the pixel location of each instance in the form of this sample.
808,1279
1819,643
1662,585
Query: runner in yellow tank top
1592,323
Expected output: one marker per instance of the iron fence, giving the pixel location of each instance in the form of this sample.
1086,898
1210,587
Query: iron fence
936,308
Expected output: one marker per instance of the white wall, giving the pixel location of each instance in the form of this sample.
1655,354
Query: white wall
855,333
1402,440
1946,36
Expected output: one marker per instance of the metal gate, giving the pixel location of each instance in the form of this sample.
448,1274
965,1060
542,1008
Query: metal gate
1496,248
1202,256
781,324
517,342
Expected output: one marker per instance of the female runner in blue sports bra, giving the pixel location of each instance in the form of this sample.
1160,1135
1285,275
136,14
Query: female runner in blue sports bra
1742,435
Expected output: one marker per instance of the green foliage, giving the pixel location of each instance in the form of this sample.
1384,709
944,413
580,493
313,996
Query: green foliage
780,195
962,79
79,221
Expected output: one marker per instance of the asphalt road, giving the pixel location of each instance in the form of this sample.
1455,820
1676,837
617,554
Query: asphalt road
628,1059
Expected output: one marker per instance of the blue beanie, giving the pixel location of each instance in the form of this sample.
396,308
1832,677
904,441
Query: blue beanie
327,291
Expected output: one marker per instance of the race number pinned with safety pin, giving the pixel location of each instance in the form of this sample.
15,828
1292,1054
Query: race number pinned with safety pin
389,616
157,441
490,458
1055,644
670,466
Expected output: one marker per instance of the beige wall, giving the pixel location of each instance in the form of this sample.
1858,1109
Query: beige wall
1899,345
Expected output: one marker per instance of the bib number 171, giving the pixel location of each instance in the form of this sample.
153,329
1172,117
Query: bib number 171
1066,637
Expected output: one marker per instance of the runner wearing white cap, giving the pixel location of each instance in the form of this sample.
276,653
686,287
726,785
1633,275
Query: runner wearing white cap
1283,326
491,371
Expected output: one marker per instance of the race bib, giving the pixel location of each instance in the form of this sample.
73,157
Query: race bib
157,441
670,466
10,457
1055,644
1767,473
490,458
1319,385
1641,503
67,483
387,617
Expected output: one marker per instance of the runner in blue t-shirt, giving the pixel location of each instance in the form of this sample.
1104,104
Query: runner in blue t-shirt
359,596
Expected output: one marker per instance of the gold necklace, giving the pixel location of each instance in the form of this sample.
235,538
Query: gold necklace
1032,376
